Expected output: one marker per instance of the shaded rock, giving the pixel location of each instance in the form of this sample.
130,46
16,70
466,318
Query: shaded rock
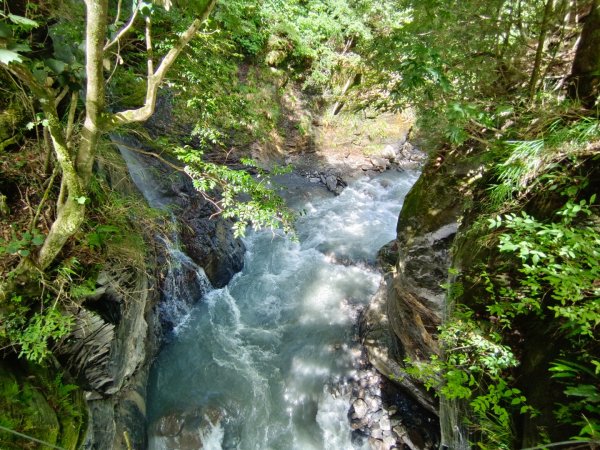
382,350
109,350
183,430
207,240
210,243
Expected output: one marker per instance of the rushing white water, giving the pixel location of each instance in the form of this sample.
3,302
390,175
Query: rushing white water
267,357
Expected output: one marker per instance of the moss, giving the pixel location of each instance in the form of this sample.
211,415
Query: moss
34,401
437,198
11,117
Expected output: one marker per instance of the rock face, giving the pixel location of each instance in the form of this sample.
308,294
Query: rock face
208,241
402,319
110,350
118,328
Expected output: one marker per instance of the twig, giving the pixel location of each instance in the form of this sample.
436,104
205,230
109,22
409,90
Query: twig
155,155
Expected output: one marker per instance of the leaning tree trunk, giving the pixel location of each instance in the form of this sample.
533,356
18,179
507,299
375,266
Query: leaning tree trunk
585,73
71,214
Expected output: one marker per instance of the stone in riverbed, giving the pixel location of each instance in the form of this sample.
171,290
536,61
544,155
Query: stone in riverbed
376,444
389,442
359,409
184,430
385,424
377,434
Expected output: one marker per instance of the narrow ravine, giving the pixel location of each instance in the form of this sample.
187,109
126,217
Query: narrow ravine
264,363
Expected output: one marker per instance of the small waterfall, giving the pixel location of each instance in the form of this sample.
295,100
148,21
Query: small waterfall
185,282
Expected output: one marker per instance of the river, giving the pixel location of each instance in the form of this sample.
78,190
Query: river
264,362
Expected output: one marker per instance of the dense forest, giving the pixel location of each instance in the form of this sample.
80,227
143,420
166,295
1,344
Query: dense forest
505,96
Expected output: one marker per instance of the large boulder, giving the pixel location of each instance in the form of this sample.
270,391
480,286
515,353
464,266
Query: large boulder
402,320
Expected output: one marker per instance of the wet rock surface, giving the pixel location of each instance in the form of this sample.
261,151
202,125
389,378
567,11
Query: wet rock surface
206,238
183,430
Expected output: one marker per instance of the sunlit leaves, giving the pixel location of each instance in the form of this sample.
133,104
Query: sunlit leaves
236,194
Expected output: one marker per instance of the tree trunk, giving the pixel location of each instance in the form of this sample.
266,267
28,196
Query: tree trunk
95,37
584,81
535,73
77,168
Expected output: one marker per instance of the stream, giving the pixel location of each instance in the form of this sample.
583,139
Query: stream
265,362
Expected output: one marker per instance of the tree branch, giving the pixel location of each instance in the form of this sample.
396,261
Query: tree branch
149,52
143,113
71,117
124,30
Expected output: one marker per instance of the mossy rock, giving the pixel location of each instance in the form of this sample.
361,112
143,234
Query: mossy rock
35,402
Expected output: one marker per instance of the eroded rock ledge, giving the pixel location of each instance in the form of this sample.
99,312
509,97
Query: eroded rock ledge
402,319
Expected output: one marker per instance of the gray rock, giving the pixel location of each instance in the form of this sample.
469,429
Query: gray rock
358,409
376,417
331,182
183,430
374,403
376,433
385,424
389,442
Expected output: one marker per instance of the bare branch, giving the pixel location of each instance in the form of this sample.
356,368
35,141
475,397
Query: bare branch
124,30
62,95
154,155
143,113
118,16
71,117
149,52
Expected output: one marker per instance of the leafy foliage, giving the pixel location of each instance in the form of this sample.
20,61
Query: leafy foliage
33,333
559,268
476,367
582,379
250,201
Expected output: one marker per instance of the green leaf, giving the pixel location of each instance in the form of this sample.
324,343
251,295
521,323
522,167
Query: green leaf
5,31
19,47
8,56
57,66
23,21
81,200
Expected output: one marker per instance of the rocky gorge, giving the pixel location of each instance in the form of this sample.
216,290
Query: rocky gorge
123,324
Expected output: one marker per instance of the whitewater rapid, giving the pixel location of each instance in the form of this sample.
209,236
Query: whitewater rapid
264,362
